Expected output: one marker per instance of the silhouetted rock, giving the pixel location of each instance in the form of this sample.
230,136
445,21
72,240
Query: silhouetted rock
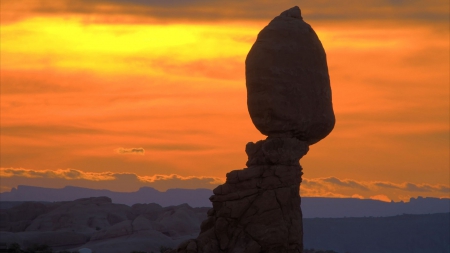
257,209
289,99
288,86
373,234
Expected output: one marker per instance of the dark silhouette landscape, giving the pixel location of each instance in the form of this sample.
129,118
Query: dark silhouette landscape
106,227
312,207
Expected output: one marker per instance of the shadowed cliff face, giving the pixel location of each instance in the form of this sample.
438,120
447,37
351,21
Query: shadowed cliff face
289,99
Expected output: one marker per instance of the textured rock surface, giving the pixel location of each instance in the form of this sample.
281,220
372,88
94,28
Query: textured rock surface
257,209
288,86
84,215
100,225
289,99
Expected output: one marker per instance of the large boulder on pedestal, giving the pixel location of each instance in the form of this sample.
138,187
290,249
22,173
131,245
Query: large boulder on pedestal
288,86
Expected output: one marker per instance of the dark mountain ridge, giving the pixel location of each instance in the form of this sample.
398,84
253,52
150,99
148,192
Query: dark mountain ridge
311,206
107,227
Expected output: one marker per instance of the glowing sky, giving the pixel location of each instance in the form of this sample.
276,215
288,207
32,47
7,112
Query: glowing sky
122,94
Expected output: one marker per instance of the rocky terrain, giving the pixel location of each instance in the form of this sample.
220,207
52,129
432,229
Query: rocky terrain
98,224
195,197
312,207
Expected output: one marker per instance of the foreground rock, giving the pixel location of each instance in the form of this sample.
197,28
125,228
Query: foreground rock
423,233
257,209
100,225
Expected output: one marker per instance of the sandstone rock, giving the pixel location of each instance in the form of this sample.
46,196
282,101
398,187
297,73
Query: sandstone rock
9,238
18,218
82,215
103,226
288,86
151,211
117,230
84,250
179,221
289,99
26,211
52,238
257,209
146,240
142,223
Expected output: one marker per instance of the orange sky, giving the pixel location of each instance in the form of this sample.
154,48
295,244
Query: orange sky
122,94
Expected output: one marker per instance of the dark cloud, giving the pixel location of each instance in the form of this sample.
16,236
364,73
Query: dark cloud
201,10
132,151
346,183
46,80
11,177
25,85
387,185
411,187
179,147
33,130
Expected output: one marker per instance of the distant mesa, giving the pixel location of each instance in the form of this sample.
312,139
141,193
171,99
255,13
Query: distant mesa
312,207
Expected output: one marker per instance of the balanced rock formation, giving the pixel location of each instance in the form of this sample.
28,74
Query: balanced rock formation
289,99
288,86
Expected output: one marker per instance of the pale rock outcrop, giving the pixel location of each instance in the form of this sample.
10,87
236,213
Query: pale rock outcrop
83,215
117,230
151,211
289,99
147,241
18,218
141,223
103,226
179,221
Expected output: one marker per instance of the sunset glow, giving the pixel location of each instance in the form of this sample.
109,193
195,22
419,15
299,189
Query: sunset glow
83,92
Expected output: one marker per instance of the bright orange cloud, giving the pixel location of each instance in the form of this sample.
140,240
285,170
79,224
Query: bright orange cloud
135,11
310,187
80,80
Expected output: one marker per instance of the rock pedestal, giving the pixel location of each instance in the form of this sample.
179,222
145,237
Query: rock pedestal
258,208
